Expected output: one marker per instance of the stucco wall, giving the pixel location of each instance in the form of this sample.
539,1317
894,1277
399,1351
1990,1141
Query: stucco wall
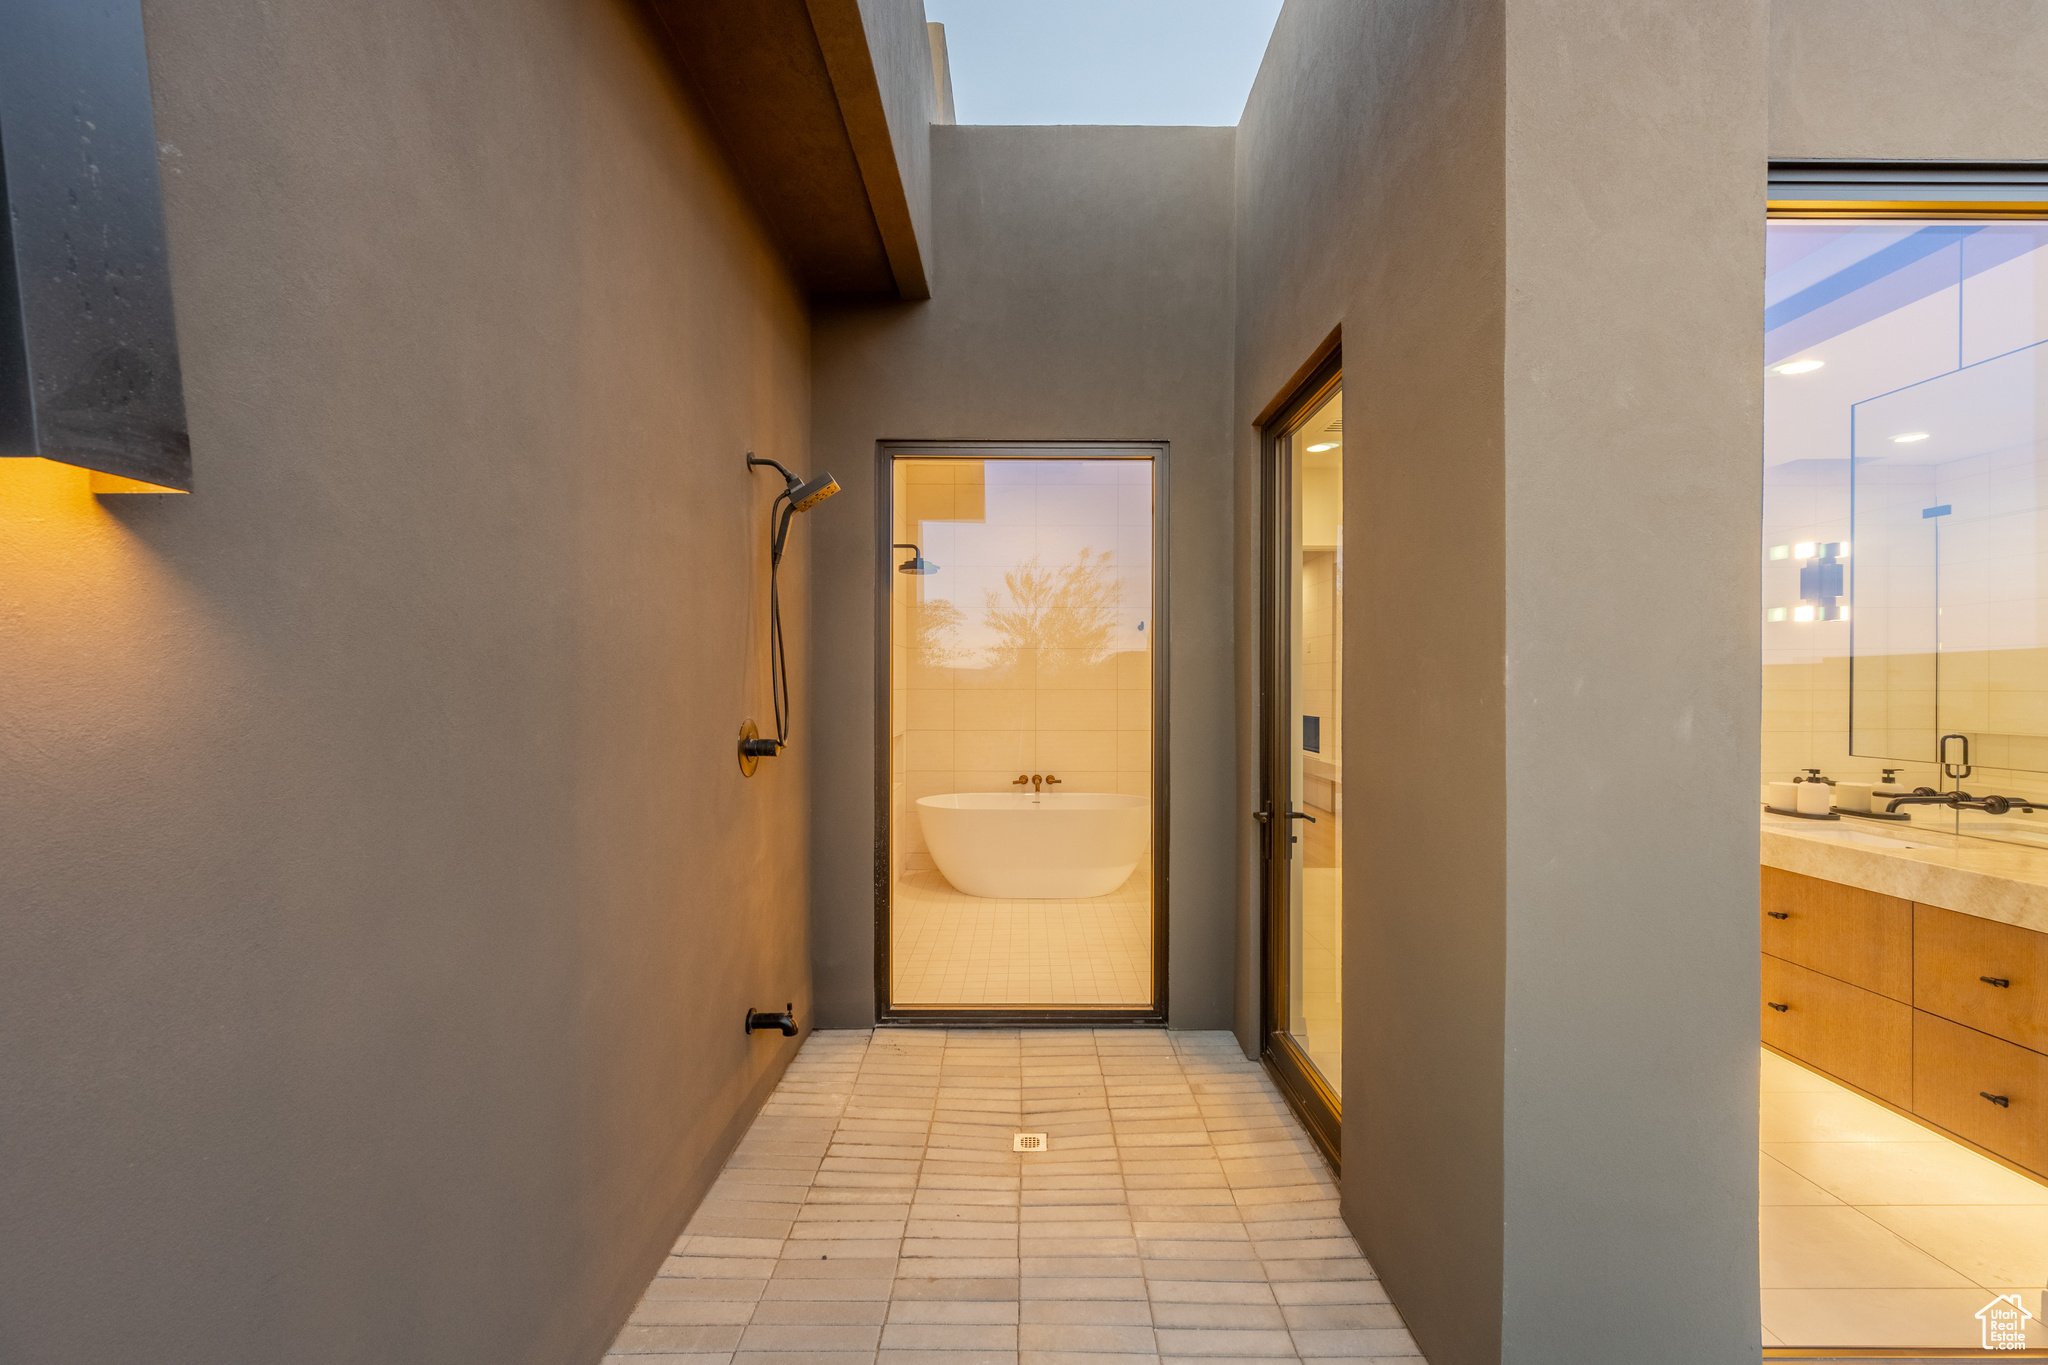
381,893
1634,416
1080,291
1536,967
1370,163
1909,78
901,45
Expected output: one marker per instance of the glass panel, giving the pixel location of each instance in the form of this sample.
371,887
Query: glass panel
1904,591
1021,733
1903,602
1314,451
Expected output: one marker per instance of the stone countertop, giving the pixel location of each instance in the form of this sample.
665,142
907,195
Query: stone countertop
1996,881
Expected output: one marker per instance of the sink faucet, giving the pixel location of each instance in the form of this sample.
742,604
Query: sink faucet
1960,800
1051,781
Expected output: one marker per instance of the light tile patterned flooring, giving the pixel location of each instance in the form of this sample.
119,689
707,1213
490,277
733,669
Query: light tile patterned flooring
1877,1232
954,949
875,1214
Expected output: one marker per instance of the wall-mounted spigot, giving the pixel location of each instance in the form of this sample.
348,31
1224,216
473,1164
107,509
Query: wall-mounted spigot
765,1019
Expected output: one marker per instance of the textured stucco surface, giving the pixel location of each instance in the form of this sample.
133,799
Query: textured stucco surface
381,894
1955,79
1081,290
1527,433
1370,164
900,47
1633,404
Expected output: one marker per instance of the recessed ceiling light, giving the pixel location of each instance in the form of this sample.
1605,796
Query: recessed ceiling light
1803,550
1908,437
1326,445
1802,613
1798,367
1775,614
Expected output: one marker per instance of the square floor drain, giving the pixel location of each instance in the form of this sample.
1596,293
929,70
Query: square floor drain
1028,1142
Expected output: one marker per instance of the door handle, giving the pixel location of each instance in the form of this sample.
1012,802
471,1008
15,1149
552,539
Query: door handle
1995,981
2002,1101
1301,815
1776,1006
1777,914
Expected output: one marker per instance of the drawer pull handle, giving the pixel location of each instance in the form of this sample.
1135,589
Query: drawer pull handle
1776,1006
1777,914
2000,1100
1995,981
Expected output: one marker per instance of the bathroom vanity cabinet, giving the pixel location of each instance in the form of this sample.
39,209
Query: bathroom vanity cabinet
1940,1014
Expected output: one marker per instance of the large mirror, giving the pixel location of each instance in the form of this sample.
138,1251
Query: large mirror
1904,575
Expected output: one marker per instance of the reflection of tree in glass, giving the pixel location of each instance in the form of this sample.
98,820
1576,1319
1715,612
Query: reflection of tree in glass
1066,615
935,633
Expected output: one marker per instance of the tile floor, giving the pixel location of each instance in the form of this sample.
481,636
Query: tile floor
1876,1231
876,1215
954,949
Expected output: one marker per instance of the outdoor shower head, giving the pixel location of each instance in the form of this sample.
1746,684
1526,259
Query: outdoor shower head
917,563
803,494
808,494
798,495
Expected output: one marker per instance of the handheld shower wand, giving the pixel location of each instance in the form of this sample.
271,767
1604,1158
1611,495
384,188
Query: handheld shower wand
800,495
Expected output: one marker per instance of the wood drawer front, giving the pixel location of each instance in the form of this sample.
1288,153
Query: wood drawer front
1953,1067
1858,936
1861,1036
1953,952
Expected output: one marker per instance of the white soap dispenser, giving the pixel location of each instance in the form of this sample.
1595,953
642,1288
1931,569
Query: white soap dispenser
1816,793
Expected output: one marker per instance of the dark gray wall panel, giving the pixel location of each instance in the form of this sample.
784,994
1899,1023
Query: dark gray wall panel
89,363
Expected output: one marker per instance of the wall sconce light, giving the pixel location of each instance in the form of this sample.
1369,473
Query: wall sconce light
1821,583
88,352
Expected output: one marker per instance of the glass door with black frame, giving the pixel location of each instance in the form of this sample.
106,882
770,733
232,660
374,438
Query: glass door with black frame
1304,780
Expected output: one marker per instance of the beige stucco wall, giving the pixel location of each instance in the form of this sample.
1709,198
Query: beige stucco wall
1909,79
1080,292
1370,164
1536,966
381,893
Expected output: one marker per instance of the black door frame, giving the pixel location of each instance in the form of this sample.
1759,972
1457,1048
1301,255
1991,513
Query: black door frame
1023,1016
1307,1092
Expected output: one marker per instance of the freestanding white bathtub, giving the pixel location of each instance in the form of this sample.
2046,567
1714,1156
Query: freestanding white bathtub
1061,845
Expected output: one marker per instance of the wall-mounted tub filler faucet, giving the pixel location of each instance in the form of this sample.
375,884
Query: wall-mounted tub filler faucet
759,1021
1051,781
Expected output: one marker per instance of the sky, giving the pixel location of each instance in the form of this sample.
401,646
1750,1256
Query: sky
1103,61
